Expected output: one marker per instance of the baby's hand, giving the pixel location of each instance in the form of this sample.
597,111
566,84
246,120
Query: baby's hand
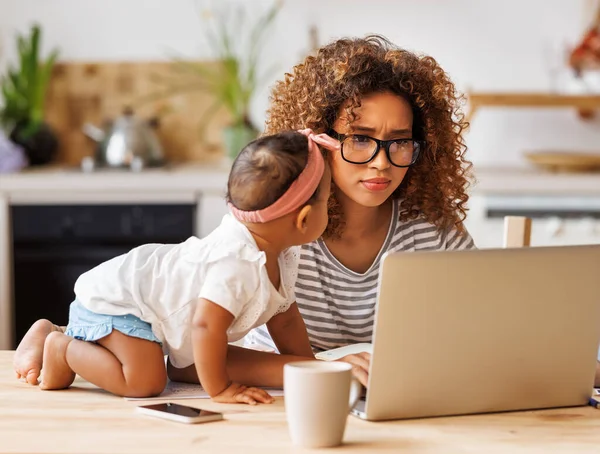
240,394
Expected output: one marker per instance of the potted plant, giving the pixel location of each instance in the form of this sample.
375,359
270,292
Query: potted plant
235,76
24,92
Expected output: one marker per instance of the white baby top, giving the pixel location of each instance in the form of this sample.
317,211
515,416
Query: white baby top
161,283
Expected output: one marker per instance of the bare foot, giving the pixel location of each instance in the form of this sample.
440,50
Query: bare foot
57,374
28,357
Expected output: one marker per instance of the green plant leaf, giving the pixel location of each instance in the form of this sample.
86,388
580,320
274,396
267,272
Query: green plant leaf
33,66
234,77
45,73
24,88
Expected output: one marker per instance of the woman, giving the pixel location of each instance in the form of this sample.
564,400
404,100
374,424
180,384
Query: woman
399,179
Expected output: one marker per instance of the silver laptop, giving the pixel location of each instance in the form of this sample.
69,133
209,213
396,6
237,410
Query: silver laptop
484,331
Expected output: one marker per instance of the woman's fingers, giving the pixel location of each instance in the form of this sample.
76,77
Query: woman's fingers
363,360
306,132
361,375
360,363
365,355
329,143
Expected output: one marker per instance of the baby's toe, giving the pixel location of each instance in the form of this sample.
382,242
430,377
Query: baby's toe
32,376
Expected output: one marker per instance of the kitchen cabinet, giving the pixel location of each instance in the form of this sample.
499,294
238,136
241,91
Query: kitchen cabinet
6,310
564,207
488,232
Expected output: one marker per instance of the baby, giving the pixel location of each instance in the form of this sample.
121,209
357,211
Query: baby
190,300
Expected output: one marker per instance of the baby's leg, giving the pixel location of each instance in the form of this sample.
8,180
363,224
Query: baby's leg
121,364
27,361
57,373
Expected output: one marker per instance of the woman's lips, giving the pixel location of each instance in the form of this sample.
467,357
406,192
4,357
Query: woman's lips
376,184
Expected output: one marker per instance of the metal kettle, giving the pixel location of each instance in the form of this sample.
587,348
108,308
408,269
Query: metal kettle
128,142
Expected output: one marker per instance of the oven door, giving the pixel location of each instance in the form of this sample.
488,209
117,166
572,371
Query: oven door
54,244
44,276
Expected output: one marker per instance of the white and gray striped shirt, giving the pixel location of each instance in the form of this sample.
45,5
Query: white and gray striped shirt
338,304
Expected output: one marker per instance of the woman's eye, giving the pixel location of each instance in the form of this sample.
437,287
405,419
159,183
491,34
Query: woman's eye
404,144
360,139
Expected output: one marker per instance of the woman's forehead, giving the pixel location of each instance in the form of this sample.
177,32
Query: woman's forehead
377,109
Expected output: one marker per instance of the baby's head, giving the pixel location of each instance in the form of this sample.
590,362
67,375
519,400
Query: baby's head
281,179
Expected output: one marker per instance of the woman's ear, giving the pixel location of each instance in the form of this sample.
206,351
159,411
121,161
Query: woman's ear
302,218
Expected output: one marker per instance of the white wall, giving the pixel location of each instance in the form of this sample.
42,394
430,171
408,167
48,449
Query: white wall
483,44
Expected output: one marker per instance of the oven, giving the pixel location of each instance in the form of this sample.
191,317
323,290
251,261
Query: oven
53,245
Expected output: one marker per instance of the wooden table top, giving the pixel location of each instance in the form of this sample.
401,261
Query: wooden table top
85,419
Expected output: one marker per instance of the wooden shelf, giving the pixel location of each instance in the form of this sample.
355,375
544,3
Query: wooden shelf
585,104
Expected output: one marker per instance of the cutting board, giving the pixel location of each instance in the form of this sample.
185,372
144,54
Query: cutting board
81,92
571,162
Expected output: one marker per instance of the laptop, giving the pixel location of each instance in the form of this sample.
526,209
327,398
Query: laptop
465,332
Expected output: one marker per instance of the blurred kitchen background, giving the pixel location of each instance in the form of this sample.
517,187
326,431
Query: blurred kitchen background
120,119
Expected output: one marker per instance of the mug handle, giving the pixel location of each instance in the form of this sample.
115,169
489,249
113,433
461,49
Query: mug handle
355,393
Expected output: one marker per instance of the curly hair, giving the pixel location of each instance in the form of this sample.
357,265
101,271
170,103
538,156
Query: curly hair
348,69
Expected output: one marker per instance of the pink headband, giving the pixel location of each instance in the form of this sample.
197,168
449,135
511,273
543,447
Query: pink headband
300,190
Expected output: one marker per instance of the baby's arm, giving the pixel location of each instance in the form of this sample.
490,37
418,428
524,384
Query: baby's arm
289,333
209,337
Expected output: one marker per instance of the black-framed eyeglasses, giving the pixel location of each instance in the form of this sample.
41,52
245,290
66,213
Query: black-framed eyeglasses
361,149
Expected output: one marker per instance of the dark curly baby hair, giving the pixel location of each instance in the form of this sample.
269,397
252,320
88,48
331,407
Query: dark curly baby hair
265,169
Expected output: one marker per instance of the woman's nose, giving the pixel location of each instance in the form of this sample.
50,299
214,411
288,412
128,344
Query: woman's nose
381,161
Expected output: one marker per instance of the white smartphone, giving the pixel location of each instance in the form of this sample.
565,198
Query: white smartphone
180,413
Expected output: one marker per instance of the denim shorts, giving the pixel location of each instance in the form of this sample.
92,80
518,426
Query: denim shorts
89,326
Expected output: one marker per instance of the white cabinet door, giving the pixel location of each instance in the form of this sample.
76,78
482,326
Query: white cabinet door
210,210
6,312
488,233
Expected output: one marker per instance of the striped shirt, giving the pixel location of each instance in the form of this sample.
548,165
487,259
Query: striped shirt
338,304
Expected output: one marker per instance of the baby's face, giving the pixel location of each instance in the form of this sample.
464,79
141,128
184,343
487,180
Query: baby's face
318,218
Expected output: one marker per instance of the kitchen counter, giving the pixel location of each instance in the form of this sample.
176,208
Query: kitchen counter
57,183
531,181
85,419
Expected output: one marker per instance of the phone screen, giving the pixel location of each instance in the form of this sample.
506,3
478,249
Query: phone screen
180,410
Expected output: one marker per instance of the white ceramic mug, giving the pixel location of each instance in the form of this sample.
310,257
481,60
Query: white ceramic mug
318,397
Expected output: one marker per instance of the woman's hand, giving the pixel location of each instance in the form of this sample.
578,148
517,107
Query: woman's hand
360,366
241,394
